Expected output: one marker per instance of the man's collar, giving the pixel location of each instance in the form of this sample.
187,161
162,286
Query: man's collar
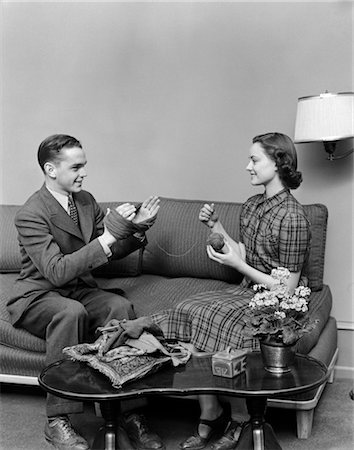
61,198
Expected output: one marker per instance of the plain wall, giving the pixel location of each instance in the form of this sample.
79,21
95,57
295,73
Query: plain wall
166,98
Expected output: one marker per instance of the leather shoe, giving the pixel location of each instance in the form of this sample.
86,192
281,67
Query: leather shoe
230,438
136,427
60,433
216,427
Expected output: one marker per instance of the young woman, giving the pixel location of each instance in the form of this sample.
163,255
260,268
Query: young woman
274,233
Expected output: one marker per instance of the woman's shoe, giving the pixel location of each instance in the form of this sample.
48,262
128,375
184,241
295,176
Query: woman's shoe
216,426
230,438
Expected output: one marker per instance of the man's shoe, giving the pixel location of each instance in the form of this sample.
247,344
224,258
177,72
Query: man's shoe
138,432
62,435
229,440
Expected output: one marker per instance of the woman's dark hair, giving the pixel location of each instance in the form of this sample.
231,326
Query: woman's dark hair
49,149
281,149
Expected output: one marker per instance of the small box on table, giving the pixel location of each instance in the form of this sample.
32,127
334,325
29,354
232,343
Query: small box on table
229,362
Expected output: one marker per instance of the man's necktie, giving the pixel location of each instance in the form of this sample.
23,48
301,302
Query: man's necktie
73,210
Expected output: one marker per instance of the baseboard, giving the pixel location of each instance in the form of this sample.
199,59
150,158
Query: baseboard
344,372
18,379
345,325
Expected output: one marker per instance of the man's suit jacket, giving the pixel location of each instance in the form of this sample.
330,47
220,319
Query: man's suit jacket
55,252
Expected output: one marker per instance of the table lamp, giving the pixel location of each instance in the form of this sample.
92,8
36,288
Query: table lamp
326,118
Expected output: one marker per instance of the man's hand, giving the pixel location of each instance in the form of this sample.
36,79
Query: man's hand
148,209
208,216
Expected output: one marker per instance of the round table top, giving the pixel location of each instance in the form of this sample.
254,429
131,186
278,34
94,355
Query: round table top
77,381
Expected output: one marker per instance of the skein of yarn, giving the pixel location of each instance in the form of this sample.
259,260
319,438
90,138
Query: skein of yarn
217,241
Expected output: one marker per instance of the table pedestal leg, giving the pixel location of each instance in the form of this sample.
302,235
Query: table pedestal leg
257,434
111,436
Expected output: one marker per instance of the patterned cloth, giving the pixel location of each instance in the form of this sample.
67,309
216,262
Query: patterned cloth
276,233
131,361
73,210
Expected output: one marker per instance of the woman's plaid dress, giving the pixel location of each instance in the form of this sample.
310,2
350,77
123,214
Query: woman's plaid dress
276,233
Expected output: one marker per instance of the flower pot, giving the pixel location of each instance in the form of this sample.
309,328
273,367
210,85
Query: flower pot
277,357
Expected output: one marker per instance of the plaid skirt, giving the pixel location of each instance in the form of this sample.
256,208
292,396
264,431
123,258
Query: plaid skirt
211,321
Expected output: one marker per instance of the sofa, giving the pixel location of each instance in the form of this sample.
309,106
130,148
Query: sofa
172,267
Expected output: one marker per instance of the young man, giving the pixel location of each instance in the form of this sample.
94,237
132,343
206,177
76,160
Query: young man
63,237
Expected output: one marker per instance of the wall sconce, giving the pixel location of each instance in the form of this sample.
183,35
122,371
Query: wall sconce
326,118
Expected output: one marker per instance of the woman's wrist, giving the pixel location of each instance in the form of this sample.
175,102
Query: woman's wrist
241,266
214,226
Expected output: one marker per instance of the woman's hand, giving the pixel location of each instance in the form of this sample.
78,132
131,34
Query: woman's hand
233,255
208,216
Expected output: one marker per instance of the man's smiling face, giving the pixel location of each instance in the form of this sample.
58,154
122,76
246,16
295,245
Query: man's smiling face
69,171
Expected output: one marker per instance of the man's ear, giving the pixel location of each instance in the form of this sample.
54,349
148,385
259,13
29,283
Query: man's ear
49,169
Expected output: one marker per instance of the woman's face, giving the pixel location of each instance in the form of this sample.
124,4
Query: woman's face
261,167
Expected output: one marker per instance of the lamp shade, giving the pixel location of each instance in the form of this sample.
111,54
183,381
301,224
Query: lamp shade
325,117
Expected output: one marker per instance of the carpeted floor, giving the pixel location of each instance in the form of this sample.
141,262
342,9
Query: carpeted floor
22,417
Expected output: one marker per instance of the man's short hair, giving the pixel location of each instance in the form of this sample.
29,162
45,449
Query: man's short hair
49,149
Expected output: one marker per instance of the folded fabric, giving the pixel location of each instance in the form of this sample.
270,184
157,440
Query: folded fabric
133,360
116,332
122,228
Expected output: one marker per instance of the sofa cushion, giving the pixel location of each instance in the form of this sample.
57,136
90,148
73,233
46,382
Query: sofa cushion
318,216
320,305
129,266
152,293
17,362
10,258
177,242
14,337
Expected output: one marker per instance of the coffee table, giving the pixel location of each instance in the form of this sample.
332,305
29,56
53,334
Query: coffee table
77,381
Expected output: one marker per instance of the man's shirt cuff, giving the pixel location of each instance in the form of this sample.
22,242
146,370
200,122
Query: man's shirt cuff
105,246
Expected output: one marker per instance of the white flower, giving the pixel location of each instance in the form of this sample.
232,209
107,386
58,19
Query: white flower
276,308
279,314
280,274
284,305
302,291
259,287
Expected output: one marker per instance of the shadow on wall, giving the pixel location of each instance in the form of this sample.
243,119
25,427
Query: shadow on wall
335,172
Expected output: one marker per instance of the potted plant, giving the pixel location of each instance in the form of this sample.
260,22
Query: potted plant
279,319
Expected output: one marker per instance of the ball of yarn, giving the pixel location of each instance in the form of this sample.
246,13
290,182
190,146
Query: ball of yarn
216,240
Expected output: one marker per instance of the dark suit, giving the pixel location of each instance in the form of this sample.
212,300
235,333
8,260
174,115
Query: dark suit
55,296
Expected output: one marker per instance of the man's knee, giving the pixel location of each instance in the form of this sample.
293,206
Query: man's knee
121,308
73,311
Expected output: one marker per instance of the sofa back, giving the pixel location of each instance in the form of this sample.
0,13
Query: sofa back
176,243
10,259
